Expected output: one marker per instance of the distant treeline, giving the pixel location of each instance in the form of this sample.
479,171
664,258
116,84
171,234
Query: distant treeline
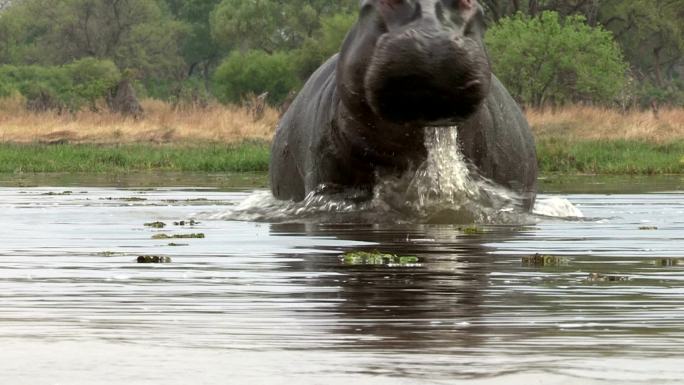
72,53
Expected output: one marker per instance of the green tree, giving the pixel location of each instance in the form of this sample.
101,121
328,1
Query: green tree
548,60
326,42
651,33
71,86
200,50
132,33
271,25
254,72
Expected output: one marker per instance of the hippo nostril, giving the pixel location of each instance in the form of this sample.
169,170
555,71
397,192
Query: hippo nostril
471,84
466,4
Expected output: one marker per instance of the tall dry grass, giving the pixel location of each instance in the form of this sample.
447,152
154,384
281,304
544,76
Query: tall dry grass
218,123
162,123
597,123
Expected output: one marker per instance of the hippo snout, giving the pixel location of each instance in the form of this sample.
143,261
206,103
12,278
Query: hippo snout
428,78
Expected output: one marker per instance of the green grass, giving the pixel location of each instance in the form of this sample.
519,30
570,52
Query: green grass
625,157
41,158
555,156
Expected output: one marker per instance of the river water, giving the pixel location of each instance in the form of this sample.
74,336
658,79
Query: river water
275,303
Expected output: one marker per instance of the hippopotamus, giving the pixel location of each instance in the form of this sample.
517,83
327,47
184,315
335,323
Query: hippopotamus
405,65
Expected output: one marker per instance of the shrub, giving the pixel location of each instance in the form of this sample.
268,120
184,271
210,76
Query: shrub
549,60
315,51
71,86
254,72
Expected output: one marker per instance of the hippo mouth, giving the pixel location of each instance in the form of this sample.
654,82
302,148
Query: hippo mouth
430,81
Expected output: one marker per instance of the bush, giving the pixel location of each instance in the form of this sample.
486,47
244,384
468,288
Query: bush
91,79
254,72
327,42
549,60
71,86
671,95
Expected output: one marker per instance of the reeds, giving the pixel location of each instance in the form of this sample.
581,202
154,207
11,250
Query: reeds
598,123
162,123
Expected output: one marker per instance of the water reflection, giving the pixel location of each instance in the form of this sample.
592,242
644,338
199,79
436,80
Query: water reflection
256,301
435,305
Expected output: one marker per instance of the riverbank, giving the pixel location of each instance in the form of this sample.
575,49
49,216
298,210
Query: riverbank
573,140
628,157
247,156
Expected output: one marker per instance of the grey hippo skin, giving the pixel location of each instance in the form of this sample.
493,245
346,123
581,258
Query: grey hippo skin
405,65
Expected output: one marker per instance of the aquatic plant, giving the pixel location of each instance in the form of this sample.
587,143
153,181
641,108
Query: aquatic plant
598,277
156,225
664,262
471,230
544,260
191,222
178,236
376,258
153,259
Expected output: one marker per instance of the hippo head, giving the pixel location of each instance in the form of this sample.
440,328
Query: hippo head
416,61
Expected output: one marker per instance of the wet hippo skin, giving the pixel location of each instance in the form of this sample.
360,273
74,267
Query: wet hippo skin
404,66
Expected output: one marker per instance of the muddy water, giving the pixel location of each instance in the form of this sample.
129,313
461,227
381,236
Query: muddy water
265,303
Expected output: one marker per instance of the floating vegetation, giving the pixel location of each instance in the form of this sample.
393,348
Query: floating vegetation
544,260
153,259
376,258
52,193
178,236
648,228
185,200
108,253
191,222
665,262
127,199
133,199
471,230
156,225
598,277
178,244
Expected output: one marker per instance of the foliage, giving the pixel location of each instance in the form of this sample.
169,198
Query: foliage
317,49
132,34
71,86
651,33
254,72
199,49
271,25
549,60
174,47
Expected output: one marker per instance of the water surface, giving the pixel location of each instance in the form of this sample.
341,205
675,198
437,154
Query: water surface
269,303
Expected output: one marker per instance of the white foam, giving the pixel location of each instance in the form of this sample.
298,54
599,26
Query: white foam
440,190
556,207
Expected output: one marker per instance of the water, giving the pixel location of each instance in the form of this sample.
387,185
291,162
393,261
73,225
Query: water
441,190
272,300
274,303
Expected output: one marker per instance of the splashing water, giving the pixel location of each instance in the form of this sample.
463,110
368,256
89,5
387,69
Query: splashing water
443,189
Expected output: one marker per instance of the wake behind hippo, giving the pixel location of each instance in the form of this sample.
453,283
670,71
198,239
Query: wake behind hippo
404,66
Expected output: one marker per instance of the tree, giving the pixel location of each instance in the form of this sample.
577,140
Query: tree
326,42
254,72
200,50
133,33
651,33
271,25
498,9
548,60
